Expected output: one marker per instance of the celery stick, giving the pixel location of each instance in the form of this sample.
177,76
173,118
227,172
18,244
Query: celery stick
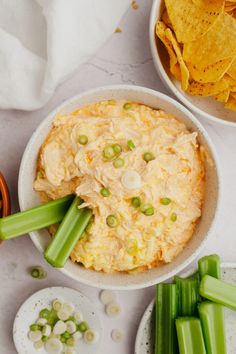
34,219
209,265
190,336
67,235
188,295
166,313
212,319
218,291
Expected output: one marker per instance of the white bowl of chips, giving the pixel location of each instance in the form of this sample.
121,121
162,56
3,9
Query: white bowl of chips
200,37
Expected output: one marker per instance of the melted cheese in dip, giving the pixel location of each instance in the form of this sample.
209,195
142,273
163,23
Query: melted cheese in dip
177,172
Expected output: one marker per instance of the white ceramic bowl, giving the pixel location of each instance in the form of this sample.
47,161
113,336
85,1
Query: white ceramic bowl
29,198
207,107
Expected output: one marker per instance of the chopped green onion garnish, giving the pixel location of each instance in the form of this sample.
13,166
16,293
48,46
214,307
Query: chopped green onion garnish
118,163
148,156
83,139
127,106
38,272
147,209
109,152
112,221
165,201
105,192
117,148
45,338
83,326
45,313
136,202
66,335
35,327
130,144
173,217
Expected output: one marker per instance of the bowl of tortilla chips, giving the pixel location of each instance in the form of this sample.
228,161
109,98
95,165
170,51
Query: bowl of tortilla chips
193,44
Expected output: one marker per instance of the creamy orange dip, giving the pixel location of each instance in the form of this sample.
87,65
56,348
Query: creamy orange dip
159,163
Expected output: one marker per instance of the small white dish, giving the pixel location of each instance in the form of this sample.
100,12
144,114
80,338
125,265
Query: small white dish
29,312
29,198
144,343
207,107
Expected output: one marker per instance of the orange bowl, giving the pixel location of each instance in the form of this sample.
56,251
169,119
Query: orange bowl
4,197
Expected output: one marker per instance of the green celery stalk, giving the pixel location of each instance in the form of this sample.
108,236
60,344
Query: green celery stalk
188,295
212,319
218,291
34,219
209,265
67,235
190,336
166,313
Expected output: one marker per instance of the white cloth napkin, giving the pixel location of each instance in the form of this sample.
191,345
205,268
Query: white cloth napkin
43,41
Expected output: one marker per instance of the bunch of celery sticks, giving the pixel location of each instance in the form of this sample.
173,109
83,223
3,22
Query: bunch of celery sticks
189,314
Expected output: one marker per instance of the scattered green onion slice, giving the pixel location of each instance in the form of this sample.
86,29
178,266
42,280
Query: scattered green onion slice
109,152
118,163
147,209
66,335
35,327
165,201
107,296
44,339
113,309
173,217
130,144
70,342
38,272
117,148
45,313
57,304
83,326
105,192
112,221
83,139
127,106
136,202
148,156
90,336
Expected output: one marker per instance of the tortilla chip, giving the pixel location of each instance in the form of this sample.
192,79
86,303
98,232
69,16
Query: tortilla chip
217,44
208,89
165,18
231,103
223,96
183,67
230,8
232,70
210,73
191,19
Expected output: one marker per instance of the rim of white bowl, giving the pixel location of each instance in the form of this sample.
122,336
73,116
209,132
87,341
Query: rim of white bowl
165,78
195,121
149,307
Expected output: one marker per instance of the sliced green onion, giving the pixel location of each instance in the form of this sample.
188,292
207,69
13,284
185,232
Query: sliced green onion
218,291
147,209
38,272
188,294
52,318
44,313
166,312
130,144
212,319
105,192
34,219
209,265
117,148
83,139
190,336
70,342
66,335
68,234
57,304
35,327
136,202
173,217
112,221
44,339
127,106
83,326
118,163
109,152
148,156
165,201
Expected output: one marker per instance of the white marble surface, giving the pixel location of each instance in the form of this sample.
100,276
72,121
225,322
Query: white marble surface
126,58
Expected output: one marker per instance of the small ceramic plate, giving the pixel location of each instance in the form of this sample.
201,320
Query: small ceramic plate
144,343
29,312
